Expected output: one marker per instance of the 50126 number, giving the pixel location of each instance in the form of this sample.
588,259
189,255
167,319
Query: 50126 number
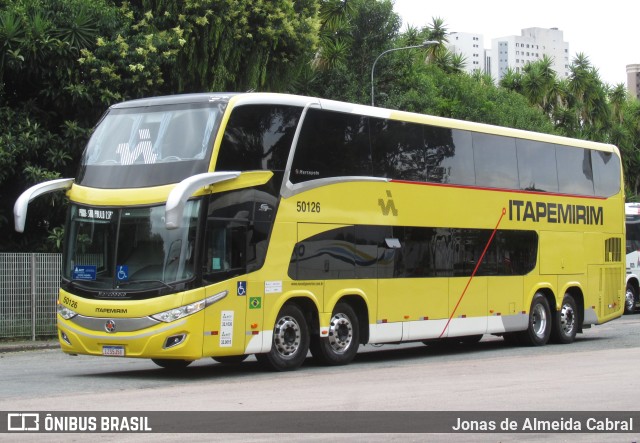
308,206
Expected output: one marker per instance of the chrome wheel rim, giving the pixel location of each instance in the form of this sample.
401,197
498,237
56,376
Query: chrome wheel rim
567,319
539,320
287,336
629,300
340,333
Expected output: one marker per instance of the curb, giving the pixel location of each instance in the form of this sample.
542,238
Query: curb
20,346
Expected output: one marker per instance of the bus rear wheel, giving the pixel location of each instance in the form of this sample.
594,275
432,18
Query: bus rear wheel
565,322
290,342
341,344
539,327
171,364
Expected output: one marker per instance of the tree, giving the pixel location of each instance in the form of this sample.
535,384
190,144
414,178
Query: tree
63,62
44,114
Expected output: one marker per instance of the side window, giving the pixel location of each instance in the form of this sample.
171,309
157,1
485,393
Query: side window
399,150
332,144
606,173
237,232
537,166
495,160
258,137
373,258
325,256
575,175
456,163
416,257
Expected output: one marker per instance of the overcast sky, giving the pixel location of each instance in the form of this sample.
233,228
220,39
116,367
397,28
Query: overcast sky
607,32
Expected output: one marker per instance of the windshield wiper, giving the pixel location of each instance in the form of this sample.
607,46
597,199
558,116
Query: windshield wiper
128,283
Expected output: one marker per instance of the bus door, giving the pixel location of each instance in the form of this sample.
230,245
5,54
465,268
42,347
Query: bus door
225,250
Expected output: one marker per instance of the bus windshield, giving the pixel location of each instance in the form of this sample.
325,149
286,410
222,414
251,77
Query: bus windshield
150,146
116,248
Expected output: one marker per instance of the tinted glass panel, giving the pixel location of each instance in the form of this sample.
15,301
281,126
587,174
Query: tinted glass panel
537,166
399,150
574,170
237,232
606,173
332,144
495,160
410,151
326,256
373,259
258,137
456,164
412,252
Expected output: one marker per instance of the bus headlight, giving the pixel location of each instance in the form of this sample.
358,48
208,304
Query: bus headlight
65,312
178,313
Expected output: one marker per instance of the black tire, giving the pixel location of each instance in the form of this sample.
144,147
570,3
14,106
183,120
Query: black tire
171,364
230,359
539,329
341,345
565,321
290,342
630,300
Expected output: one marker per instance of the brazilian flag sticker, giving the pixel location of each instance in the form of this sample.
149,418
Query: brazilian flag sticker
255,303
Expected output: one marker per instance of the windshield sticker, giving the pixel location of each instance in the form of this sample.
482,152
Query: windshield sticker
123,272
98,214
84,272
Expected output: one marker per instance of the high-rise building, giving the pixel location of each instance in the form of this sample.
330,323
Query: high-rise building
515,51
633,80
471,46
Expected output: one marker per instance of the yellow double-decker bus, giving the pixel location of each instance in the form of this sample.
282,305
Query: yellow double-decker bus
224,225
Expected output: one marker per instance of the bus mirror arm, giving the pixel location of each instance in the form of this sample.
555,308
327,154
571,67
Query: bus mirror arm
22,204
185,189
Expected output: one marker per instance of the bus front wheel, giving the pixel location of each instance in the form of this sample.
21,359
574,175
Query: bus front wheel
539,327
341,344
290,342
565,322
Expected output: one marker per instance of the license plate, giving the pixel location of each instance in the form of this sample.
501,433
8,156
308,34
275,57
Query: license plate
113,351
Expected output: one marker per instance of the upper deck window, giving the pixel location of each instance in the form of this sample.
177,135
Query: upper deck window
258,137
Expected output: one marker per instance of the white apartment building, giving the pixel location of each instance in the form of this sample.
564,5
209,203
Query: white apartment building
516,51
471,46
513,51
633,80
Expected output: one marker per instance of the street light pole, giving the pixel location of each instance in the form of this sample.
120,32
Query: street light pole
373,68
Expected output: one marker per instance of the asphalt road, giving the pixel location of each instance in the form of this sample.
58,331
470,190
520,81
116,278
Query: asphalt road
599,372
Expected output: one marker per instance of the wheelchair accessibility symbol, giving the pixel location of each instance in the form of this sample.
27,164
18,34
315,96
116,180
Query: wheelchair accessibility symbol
242,288
123,272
